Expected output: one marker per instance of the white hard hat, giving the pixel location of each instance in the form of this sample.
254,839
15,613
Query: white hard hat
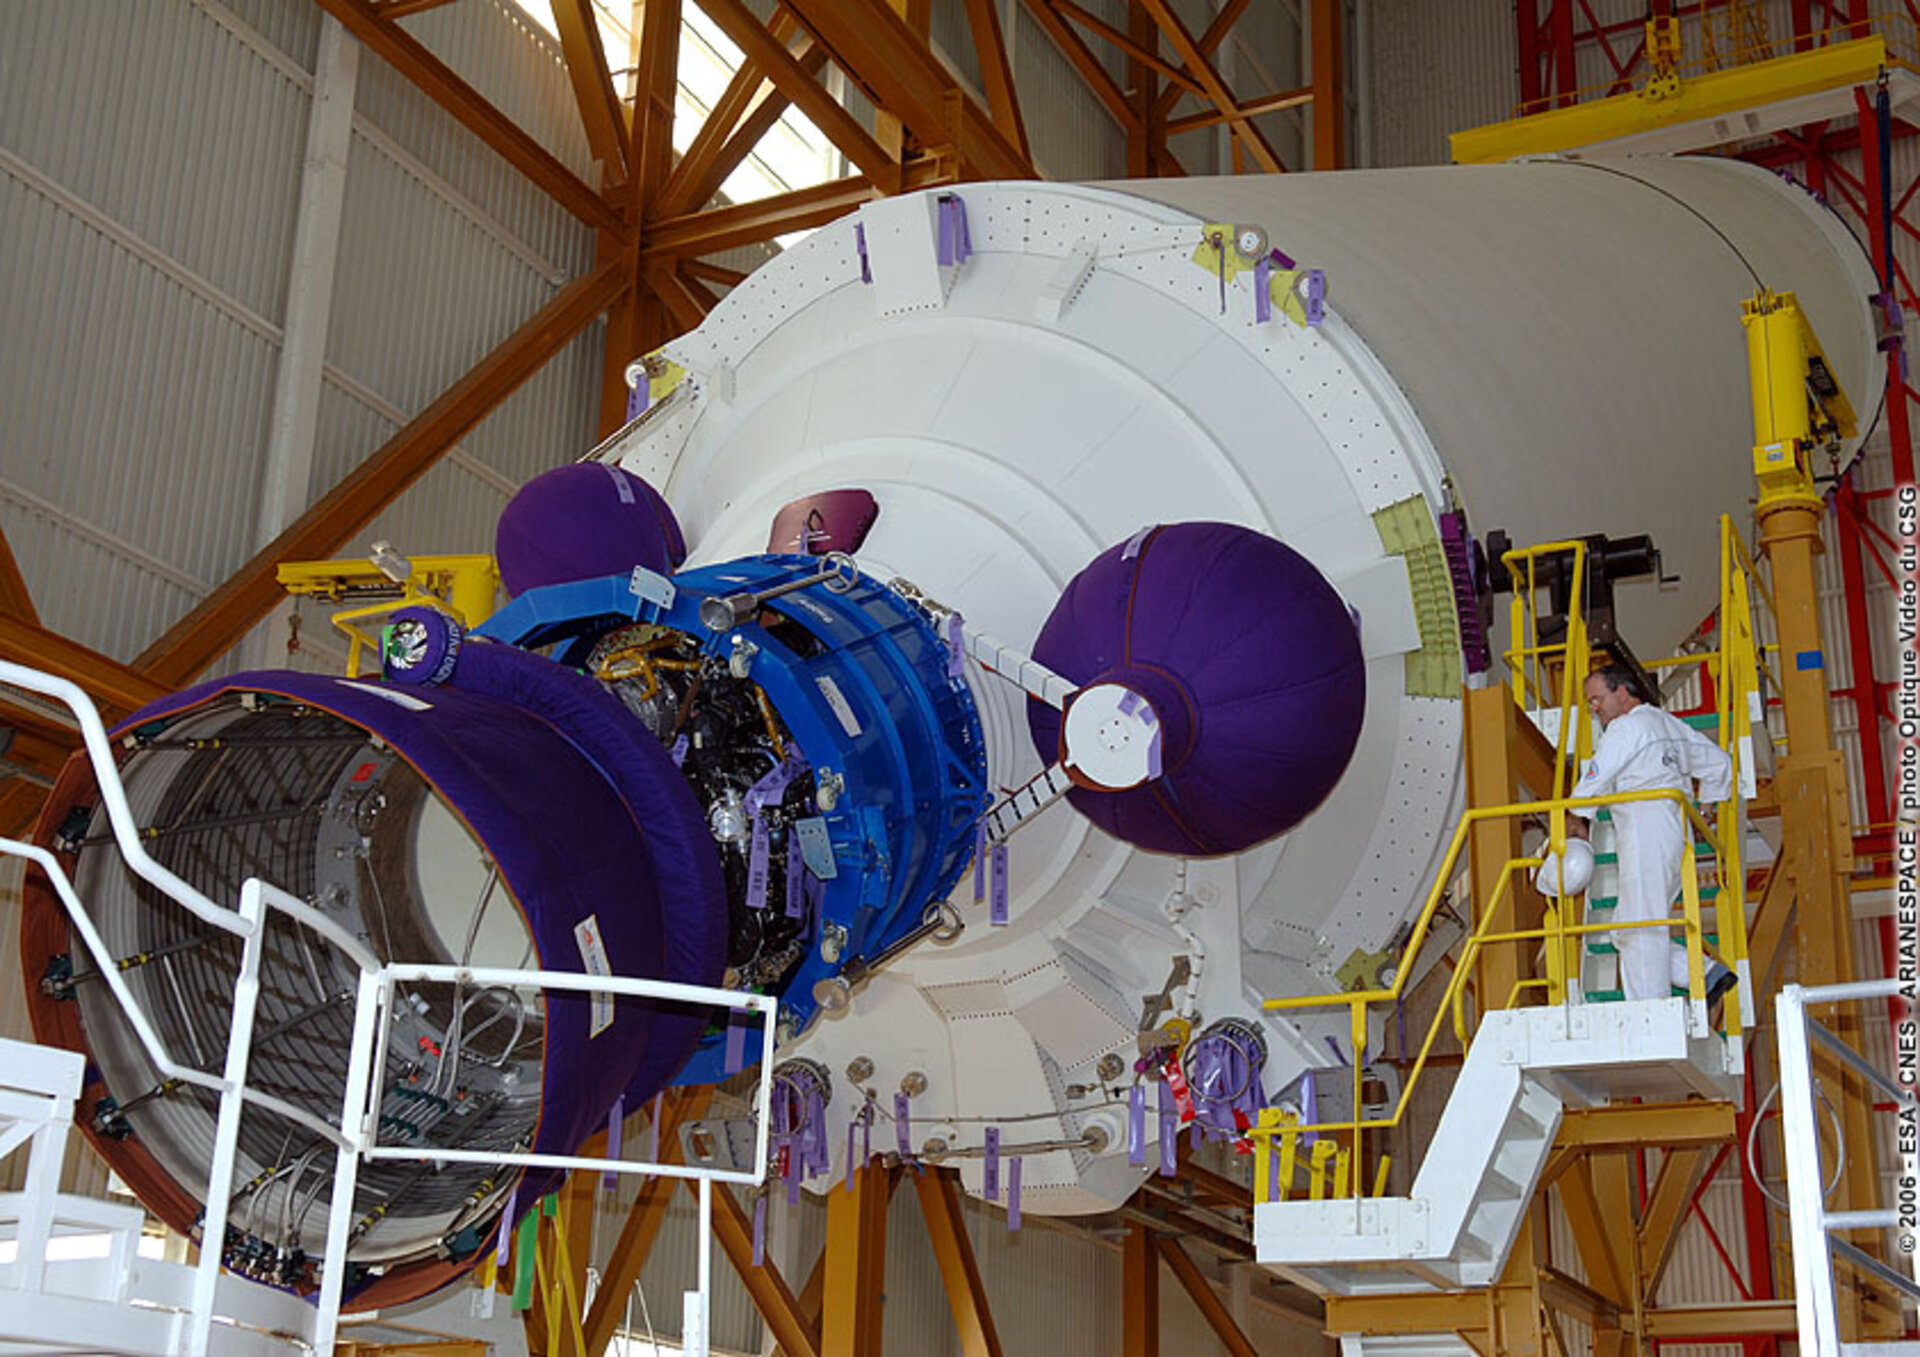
1551,878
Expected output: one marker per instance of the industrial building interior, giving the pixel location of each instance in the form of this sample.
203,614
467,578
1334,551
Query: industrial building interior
999,596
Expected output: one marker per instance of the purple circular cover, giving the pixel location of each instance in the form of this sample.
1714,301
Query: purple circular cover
1252,662
581,522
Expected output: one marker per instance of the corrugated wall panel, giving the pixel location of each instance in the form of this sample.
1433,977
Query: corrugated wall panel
1435,69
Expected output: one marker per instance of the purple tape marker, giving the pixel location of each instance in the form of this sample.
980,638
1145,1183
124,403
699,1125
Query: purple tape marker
1282,259
796,878
1137,1125
1154,766
902,1126
860,244
616,1121
760,1230
757,866
793,1176
850,1129
979,862
1169,1128
956,646
998,914
1013,1193
679,751
637,398
505,1246
1135,542
990,1189
1309,1107
736,1059
1263,290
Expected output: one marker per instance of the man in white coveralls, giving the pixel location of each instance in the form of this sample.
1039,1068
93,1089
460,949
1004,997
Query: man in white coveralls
1645,749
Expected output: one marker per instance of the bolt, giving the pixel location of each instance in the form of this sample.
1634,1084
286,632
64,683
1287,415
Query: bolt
833,941
860,1069
913,1083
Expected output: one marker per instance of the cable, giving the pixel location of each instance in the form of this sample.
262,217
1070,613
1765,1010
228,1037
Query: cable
1753,1138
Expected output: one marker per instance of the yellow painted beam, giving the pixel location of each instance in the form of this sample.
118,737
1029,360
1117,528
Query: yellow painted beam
1630,1124
1717,94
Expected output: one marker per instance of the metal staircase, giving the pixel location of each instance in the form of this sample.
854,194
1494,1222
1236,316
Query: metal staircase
1525,1068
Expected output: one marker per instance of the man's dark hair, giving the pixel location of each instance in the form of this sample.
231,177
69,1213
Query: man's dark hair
1617,676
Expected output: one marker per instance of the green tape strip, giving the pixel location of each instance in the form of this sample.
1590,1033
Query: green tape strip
1407,530
525,1241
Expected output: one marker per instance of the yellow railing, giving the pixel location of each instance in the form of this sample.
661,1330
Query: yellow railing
1532,662
1735,666
1561,939
466,586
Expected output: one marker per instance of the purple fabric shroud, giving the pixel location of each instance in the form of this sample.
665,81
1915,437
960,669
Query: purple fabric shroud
583,521
1250,661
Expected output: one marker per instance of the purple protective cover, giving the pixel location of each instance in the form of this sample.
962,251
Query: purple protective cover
1251,661
584,521
833,520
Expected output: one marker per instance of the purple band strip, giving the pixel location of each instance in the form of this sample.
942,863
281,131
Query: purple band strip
1281,258
638,397
1309,1107
1013,1193
1137,1125
616,1121
1130,703
760,1230
757,866
956,646
1169,1128
990,1188
1263,290
979,862
998,914
796,878
902,1125
860,244
793,1177
736,1058
814,1138
505,1246
1154,744
679,751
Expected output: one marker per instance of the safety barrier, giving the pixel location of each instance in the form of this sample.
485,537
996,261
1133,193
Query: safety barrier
355,1134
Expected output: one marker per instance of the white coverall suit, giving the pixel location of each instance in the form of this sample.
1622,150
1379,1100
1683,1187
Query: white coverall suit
1645,750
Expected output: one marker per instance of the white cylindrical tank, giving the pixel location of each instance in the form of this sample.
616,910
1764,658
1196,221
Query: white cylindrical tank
1025,374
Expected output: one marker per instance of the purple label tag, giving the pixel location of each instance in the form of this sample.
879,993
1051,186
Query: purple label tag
991,1188
736,1046
860,244
505,1246
1154,766
1169,1127
1013,1193
622,483
902,1124
757,866
1314,303
760,1230
1130,703
1137,1126
638,397
998,914
955,244
1281,259
979,861
956,646
814,1138
796,878
1309,1108
616,1121
1263,290
679,752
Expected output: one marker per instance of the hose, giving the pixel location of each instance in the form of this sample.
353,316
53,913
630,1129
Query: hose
1753,1142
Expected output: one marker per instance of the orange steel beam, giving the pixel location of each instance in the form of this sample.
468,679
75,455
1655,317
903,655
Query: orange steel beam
687,302
1266,103
1140,1288
723,228
767,1289
1329,86
712,273
1216,33
1143,91
20,803
643,1222
966,1294
996,73
1188,47
14,596
812,1297
112,685
399,9
807,94
438,82
744,113
896,68
1084,60
1135,50
204,634
856,1262
601,110
1215,1313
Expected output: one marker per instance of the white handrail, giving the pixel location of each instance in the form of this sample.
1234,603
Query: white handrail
355,1135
